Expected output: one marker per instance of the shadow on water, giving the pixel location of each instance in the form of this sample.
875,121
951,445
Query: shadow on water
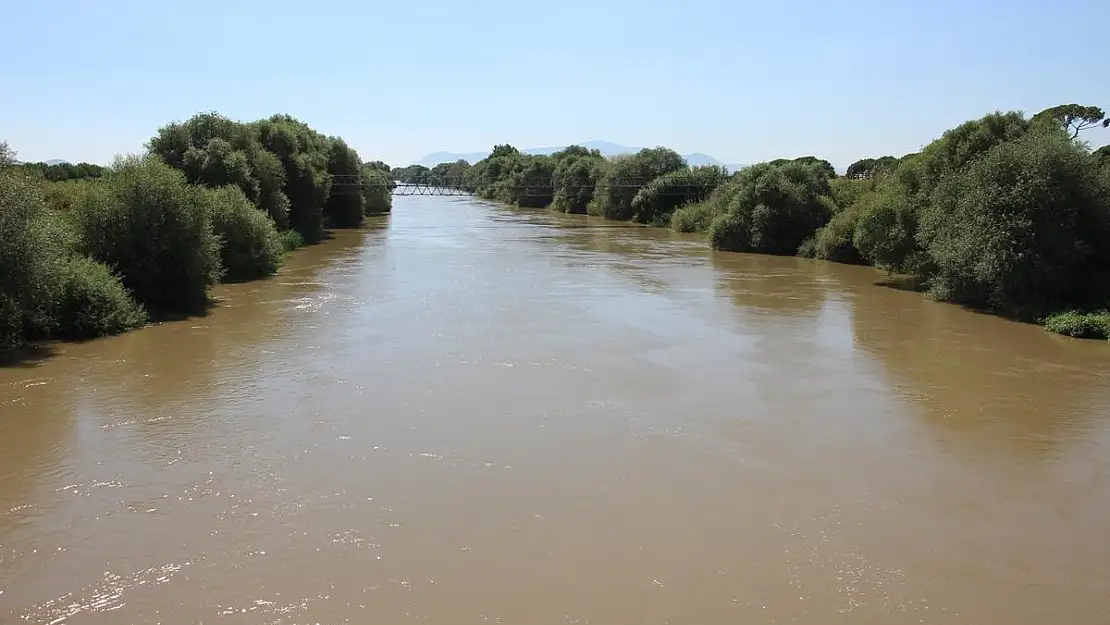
36,354
172,370
167,376
38,436
27,357
980,376
771,289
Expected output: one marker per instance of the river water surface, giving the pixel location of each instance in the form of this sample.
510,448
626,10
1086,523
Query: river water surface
469,414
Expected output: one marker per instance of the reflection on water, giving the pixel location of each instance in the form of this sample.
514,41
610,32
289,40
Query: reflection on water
465,413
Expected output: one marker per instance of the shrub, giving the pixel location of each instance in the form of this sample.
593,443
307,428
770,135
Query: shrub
63,196
31,245
1080,325
250,245
291,240
345,205
694,217
91,301
156,231
780,206
626,175
886,229
833,242
658,199
216,151
575,179
530,185
376,191
1026,225
729,231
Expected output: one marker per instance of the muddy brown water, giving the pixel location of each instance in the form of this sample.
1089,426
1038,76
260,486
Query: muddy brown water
469,414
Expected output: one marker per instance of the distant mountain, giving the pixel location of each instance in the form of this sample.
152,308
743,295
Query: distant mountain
605,147
56,161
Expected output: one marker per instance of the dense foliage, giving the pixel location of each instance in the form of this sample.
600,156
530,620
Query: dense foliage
90,250
1005,213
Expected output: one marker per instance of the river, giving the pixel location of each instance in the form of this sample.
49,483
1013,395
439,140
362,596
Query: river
465,413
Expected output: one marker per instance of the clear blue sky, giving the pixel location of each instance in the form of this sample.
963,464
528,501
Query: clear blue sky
742,81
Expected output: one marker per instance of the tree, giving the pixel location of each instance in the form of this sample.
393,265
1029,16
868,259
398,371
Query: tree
1074,117
1024,226
870,167
773,208
628,174
7,154
345,205
504,149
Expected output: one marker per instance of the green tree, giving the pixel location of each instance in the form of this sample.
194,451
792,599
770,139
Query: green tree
215,151
575,177
1074,118
774,208
627,175
250,245
345,204
658,199
156,230
376,191
303,154
7,155
30,250
1026,225
531,183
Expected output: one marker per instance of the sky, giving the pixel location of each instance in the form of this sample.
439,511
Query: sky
742,81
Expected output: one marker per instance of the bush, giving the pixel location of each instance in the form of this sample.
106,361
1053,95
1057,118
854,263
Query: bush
63,196
729,231
625,177
31,245
886,229
291,240
1025,225
530,185
658,199
250,245
156,231
780,206
575,178
1080,325
833,242
345,207
376,191
91,301
216,151
694,217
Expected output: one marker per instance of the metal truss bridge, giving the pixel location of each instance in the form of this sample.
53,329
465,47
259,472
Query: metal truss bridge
534,187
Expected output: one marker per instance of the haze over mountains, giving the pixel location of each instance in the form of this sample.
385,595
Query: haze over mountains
605,147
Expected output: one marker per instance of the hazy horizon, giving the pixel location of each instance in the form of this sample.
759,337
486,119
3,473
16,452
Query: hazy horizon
754,83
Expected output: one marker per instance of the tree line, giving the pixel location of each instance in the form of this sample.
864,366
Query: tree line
1007,213
88,251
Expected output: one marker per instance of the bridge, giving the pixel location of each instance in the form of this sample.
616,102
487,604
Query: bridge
402,188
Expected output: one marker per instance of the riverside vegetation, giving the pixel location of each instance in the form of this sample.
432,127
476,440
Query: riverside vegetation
1007,214
87,251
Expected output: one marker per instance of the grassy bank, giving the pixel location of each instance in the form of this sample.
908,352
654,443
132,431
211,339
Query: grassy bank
1006,214
89,251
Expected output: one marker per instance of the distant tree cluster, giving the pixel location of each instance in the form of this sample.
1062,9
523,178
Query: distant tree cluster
61,172
90,250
